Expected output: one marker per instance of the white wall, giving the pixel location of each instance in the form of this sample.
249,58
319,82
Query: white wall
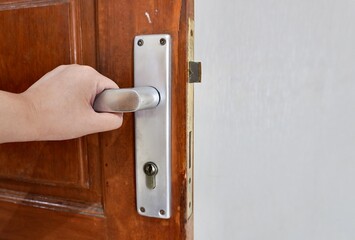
275,120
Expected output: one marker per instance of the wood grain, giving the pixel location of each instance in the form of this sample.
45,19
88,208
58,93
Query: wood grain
47,202
40,163
35,37
19,222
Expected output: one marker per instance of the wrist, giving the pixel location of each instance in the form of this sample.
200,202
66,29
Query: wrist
17,119
28,111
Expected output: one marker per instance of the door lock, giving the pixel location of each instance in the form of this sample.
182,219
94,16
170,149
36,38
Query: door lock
150,100
150,170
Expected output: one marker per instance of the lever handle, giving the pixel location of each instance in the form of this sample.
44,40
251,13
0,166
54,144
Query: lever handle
127,99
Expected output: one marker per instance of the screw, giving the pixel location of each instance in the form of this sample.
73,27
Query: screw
142,209
140,42
162,41
162,212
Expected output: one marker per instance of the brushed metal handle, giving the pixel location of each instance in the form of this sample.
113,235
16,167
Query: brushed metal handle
127,99
152,90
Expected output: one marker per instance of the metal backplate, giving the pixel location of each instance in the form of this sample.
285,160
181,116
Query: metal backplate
152,67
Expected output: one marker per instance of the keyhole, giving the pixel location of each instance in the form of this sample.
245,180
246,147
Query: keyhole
150,169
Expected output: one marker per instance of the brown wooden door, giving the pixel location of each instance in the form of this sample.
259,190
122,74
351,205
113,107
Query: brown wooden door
85,188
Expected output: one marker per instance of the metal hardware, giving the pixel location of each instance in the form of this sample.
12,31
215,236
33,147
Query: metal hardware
127,99
195,69
140,42
150,170
190,123
162,41
152,67
151,94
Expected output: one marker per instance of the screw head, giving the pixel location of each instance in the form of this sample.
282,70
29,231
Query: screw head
140,42
150,169
162,212
142,209
162,41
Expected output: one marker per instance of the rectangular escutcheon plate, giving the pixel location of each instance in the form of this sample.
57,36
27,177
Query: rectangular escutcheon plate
152,67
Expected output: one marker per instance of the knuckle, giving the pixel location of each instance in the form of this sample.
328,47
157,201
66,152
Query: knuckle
87,68
61,67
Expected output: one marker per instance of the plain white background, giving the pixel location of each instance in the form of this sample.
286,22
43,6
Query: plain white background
275,120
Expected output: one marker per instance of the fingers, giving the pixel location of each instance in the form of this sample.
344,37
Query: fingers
107,121
105,83
66,94
90,73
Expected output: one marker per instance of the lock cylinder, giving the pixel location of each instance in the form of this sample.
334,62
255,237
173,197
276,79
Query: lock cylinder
151,170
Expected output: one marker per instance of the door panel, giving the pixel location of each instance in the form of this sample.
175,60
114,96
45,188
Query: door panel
42,166
85,188
30,50
20,222
35,37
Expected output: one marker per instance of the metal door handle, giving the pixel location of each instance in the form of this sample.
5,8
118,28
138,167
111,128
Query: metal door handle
152,90
127,99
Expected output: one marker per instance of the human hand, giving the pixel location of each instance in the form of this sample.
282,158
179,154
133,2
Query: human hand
61,103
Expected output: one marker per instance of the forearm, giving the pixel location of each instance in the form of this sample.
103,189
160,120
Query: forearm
16,120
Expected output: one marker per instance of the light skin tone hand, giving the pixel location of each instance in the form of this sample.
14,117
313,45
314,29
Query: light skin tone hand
57,107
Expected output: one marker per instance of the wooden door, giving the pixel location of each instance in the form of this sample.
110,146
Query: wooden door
85,188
